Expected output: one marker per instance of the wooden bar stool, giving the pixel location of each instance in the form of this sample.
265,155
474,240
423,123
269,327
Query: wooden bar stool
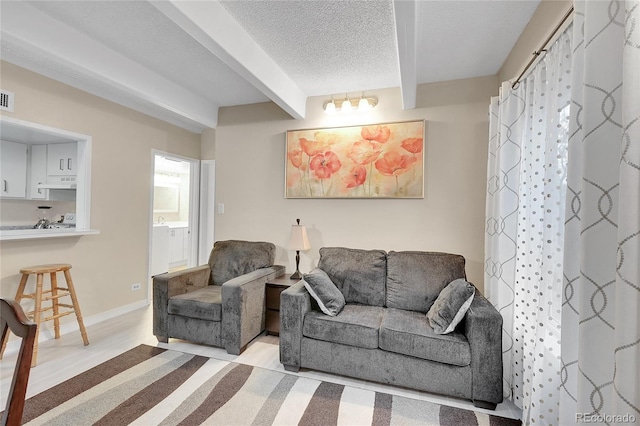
52,295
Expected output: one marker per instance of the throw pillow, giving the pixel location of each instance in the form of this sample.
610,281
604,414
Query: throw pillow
451,306
324,291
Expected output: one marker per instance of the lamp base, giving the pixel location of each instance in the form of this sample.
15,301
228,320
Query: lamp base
296,276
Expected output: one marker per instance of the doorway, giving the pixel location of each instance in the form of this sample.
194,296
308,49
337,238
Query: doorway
174,213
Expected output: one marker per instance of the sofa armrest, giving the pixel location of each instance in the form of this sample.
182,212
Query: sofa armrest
243,307
166,286
483,329
295,302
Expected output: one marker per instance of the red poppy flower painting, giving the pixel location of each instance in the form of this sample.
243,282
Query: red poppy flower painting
394,164
364,152
324,165
356,177
371,161
376,133
295,157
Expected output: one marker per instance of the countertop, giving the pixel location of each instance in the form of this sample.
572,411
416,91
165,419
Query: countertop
32,234
173,225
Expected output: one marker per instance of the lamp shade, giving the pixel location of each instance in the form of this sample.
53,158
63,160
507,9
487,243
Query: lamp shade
299,239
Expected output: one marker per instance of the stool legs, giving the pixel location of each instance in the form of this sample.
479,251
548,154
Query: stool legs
54,304
76,306
21,286
37,315
56,292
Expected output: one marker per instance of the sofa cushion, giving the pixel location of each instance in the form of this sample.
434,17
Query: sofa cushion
451,306
409,333
230,259
324,291
356,325
415,279
359,274
205,303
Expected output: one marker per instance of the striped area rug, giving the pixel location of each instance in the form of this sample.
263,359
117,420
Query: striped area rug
155,386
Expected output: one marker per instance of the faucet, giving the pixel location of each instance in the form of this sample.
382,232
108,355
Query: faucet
160,221
42,224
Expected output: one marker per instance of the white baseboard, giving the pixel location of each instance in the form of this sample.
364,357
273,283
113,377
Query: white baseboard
47,332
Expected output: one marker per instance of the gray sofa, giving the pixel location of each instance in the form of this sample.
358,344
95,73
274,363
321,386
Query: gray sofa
219,304
383,334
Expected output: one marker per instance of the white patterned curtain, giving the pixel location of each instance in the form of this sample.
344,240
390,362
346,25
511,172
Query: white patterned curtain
601,300
524,229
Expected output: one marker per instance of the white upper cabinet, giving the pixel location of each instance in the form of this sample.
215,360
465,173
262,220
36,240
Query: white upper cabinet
38,173
13,169
62,159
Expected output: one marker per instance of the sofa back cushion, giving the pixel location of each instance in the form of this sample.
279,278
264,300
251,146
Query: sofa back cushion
230,259
415,279
359,274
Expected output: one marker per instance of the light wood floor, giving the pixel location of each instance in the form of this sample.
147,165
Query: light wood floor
59,360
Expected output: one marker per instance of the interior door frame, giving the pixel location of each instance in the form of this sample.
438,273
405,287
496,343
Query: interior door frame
194,208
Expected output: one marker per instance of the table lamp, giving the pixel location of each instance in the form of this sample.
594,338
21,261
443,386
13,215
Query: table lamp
298,241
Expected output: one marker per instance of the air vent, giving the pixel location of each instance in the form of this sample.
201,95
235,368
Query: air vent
6,100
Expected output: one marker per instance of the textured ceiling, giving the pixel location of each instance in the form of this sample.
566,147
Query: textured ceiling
182,60
325,46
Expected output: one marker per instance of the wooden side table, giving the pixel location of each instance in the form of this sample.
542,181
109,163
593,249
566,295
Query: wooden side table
273,288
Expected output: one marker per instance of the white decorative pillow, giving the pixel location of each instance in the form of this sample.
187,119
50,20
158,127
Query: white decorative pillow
451,306
324,291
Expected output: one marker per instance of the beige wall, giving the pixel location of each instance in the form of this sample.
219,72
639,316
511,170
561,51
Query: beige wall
542,23
250,159
208,144
106,265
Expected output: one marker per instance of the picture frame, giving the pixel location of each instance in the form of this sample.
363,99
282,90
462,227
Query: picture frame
384,160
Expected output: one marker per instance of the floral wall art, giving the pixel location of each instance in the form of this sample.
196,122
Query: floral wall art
372,161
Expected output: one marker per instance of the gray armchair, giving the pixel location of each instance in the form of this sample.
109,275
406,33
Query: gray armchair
219,304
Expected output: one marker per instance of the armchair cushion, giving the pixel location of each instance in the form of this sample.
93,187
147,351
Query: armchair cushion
451,306
205,304
230,259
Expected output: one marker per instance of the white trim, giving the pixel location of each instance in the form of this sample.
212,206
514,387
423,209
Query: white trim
47,334
405,16
150,222
194,213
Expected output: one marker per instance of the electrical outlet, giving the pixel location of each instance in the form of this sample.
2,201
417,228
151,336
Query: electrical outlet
135,287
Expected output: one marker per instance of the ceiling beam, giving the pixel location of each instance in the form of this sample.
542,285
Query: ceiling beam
35,41
210,24
405,14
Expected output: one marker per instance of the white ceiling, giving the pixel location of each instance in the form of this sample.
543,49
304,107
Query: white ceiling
182,60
